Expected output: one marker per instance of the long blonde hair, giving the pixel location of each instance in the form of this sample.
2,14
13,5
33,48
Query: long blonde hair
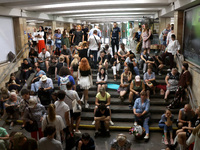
51,112
75,60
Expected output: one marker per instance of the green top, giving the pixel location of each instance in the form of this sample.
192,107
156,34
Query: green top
137,88
65,41
3,132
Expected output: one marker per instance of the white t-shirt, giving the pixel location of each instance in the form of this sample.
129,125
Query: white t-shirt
58,124
169,36
42,34
70,96
33,36
44,56
173,47
61,109
92,42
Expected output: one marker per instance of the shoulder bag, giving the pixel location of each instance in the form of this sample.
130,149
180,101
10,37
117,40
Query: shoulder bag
76,107
98,44
31,127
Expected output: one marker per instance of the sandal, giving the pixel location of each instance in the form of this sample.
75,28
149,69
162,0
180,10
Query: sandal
166,142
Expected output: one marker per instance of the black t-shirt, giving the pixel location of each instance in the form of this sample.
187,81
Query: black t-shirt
99,114
114,60
35,54
104,58
31,144
25,66
83,53
85,31
115,33
59,65
89,146
78,37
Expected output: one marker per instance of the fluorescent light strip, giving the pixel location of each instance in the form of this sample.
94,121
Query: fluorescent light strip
117,17
106,14
98,3
103,10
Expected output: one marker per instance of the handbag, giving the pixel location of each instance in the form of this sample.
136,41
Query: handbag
31,127
76,107
58,41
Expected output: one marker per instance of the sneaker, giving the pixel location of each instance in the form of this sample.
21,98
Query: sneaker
77,132
159,74
96,134
82,99
135,123
166,142
111,123
93,123
130,106
168,69
146,137
87,105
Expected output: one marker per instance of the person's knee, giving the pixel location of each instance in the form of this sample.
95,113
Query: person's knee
180,125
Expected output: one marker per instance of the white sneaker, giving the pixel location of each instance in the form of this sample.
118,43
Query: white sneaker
87,105
168,69
111,123
93,122
135,123
82,99
146,137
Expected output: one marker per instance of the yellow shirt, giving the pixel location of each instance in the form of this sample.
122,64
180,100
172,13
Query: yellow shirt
101,98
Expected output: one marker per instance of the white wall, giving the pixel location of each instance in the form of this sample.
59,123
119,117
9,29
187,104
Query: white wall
7,40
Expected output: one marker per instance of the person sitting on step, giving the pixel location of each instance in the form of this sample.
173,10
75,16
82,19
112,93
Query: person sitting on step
102,119
43,59
102,78
141,112
26,70
131,62
102,60
46,88
85,142
115,62
123,53
137,86
126,78
103,97
150,83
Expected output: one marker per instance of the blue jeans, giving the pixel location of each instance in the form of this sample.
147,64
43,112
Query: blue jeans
145,123
165,127
35,86
137,72
94,53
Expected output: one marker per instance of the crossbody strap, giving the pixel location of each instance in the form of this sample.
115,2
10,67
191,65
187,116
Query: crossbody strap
96,40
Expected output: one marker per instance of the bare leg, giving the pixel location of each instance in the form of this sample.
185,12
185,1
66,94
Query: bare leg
148,94
166,94
78,120
130,97
107,123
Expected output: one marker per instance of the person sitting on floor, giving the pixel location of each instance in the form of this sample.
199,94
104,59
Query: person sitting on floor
102,60
166,123
85,143
123,53
102,116
14,83
67,54
121,143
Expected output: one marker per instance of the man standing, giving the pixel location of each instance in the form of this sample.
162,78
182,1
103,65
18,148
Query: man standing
92,31
115,37
94,45
71,33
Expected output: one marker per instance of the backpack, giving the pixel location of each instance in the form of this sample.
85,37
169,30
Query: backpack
11,56
151,36
63,82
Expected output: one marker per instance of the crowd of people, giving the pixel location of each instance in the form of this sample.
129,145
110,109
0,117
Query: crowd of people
69,59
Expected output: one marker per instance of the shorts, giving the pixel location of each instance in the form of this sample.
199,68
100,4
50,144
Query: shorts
52,43
74,115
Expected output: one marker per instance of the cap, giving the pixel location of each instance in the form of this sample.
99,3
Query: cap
43,78
32,102
137,78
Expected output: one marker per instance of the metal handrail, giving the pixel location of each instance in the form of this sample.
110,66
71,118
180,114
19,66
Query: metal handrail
193,101
12,64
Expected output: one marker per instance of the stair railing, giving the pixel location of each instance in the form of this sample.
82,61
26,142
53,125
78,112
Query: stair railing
192,100
13,63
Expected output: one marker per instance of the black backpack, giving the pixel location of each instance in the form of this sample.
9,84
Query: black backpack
11,56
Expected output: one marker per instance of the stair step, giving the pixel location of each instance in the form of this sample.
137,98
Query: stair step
125,117
125,109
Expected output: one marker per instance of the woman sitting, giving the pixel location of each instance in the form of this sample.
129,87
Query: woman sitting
115,62
137,86
141,112
171,80
14,83
149,80
126,77
12,108
102,97
166,123
54,120
102,77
